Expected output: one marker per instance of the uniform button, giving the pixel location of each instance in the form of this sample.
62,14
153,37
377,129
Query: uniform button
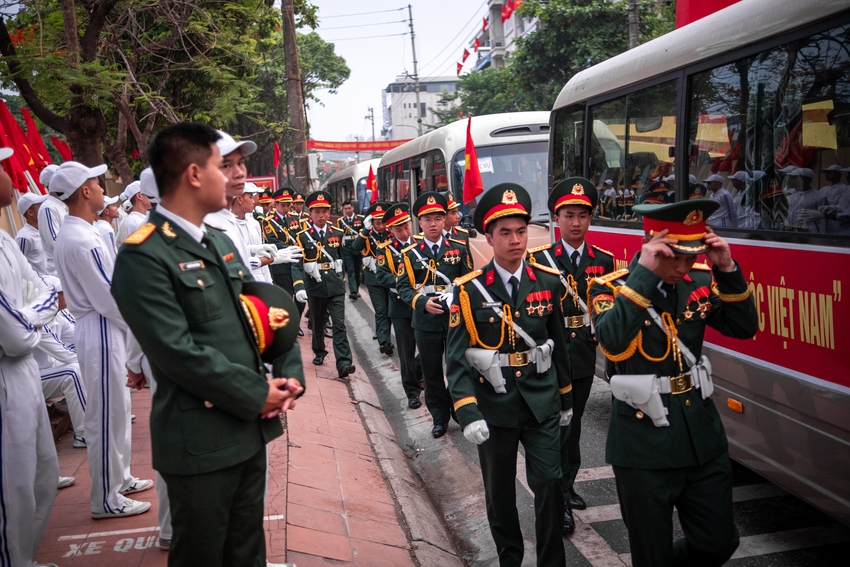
492,319
572,335
688,403
208,404
200,282
678,321
241,273
647,323
639,415
517,373
516,315
481,379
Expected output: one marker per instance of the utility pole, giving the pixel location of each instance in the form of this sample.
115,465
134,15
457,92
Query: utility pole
634,31
371,116
415,72
295,98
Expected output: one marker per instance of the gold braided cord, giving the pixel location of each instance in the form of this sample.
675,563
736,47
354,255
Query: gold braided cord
571,282
390,263
318,254
626,354
474,339
732,297
465,402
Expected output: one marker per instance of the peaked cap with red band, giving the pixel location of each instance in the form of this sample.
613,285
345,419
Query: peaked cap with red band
378,210
452,204
272,316
685,222
429,202
397,214
319,199
573,191
283,196
298,198
502,200
265,197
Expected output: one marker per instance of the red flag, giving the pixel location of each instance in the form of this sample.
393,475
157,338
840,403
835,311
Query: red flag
473,185
459,68
372,185
477,44
37,147
17,140
62,148
465,55
505,14
518,4
484,25
276,155
12,165
135,154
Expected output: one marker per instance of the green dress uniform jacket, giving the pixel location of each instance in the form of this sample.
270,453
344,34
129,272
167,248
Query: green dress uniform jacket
276,232
369,243
315,249
538,313
350,230
388,264
625,332
181,302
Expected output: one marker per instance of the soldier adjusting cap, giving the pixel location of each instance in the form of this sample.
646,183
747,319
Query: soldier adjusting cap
685,222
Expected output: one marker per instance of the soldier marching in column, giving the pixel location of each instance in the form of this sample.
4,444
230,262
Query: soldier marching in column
369,245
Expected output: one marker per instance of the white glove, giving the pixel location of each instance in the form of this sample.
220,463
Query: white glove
477,432
29,292
312,270
262,250
367,222
258,209
447,298
288,255
369,262
301,296
566,417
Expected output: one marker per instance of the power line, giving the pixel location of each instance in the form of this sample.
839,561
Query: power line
442,65
363,13
365,37
451,42
364,25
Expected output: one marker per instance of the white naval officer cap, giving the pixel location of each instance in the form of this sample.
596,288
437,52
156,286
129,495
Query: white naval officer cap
71,175
227,145
148,186
27,200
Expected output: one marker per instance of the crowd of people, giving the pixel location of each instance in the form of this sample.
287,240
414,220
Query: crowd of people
181,287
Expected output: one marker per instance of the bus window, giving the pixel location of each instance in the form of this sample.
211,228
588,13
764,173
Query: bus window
567,142
630,147
438,171
774,131
403,181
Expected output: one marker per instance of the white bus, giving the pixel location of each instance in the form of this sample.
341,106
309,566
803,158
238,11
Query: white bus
759,95
349,184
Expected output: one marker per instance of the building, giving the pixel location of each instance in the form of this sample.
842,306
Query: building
399,105
498,41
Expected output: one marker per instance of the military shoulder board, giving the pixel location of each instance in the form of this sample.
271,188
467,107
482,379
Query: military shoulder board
539,248
546,269
608,278
141,234
468,277
699,266
602,250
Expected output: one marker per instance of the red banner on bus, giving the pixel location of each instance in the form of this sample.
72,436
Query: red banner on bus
378,146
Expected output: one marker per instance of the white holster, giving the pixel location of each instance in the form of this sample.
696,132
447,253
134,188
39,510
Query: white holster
701,375
338,266
370,263
544,356
640,391
312,270
487,363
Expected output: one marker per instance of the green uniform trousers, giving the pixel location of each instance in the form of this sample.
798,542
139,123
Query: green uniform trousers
406,344
703,497
353,263
320,308
571,436
380,297
432,346
218,516
498,457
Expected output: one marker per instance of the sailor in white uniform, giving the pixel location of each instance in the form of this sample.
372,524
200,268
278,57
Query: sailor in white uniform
103,224
140,205
51,215
28,237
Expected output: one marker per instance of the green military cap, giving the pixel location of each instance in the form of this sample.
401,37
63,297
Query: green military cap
429,202
319,199
397,214
502,200
266,197
283,195
699,191
573,191
685,222
298,198
273,318
378,210
656,194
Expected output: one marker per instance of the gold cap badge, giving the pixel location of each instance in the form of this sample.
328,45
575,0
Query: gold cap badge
431,201
694,217
578,189
277,318
509,198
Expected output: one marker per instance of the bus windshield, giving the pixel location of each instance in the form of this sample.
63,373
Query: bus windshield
524,163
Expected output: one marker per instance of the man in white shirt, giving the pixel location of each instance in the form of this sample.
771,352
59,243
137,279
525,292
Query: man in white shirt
103,224
727,215
51,215
85,268
248,227
28,237
30,467
744,200
803,203
138,212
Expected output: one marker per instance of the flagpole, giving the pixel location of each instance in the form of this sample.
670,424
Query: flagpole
415,73
33,188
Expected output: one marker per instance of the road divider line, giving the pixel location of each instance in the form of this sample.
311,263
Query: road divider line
802,538
137,530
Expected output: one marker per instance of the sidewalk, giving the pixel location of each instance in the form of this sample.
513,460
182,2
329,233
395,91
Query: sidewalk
328,503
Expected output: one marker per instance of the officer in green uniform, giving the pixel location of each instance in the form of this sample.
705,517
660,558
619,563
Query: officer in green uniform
369,246
178,283
266,201
397,220
666,442
276,231
424,281
351,224
453,228
509,376
302,216
319,281
571,204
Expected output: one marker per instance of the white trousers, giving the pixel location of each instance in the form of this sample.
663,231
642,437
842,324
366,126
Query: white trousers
164,515
102,353
67,380
28,462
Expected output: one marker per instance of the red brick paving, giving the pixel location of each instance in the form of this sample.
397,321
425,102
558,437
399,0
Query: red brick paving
328,504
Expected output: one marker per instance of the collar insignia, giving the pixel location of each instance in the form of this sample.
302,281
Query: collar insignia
167,231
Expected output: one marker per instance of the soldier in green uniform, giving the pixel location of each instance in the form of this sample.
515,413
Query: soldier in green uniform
319,282
397,220
509,377
453,228
266,201
302,216
424,281
351,224
369,246
276,231
666,442
571,204
178,284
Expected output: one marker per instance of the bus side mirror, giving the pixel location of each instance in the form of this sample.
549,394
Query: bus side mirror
473,233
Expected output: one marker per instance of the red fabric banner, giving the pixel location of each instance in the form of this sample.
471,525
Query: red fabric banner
477,44
372,185
377,146
459,68
484,25
465,55
37,147
17,140
473,185
62,148
276,155
688,11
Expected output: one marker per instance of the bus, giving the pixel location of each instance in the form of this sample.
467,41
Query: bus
757,98
349,184
510,147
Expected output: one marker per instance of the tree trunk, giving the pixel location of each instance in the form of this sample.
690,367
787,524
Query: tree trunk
85,130
295,98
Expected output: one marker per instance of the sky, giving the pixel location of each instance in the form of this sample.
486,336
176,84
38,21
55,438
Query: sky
443,28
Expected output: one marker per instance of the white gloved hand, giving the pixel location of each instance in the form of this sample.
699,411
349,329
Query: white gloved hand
367,222
258,209
369,262
312,270
477,432
301,296
262,250
29,292
447,298
288,255
566,417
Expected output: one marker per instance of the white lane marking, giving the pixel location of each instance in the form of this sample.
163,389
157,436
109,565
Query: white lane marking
792,539
597,473
598,514
138,530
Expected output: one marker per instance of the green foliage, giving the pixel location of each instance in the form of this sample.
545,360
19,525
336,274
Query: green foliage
490,91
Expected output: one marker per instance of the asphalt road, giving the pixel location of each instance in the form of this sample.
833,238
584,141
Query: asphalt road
776,528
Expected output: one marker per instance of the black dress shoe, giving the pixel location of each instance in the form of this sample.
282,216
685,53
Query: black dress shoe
300,333
319,360
346,370
413,402
374,337
328,334
438,431
353,296
576,501
386,348
569,521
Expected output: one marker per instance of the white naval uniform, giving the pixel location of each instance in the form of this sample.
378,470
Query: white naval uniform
27,451
56,357
85,268
108,234
32,248
252,234
130,225
164,508
51,215
225,220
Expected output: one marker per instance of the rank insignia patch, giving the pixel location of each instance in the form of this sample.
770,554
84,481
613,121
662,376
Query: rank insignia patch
602,303
382,260
454,316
